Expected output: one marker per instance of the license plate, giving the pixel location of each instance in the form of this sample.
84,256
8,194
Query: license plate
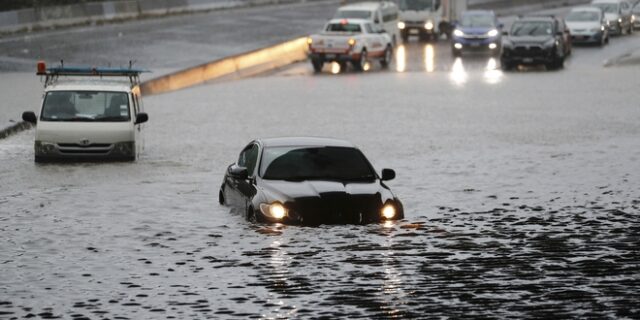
475,44
413,31
527,60
330,56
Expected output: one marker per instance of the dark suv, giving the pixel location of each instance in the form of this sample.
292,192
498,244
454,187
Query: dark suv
536,40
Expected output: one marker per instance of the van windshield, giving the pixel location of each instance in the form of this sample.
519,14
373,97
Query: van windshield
86,106
416,5
343,27
353,14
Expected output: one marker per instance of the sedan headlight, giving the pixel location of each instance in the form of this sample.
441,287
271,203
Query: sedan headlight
388,211
401,25
274,210
492,33
458,33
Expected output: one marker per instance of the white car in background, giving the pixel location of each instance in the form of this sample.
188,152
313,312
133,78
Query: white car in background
88,114
382,14
587,25
617,14
353,40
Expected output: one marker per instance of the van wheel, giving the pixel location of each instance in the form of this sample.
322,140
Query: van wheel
360,63
317,65
388,56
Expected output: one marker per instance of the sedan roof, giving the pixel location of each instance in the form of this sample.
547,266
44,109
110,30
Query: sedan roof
305,141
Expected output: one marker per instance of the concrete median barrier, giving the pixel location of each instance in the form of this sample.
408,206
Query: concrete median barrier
242,65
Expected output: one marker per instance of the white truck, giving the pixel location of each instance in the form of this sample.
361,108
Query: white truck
350,40
429,19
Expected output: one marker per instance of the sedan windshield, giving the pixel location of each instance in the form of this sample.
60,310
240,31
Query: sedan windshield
477,21
353,14
315,163
85,106
582,16
531,28
607,7
416,5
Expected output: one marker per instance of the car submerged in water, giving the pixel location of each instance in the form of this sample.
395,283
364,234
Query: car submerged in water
309,181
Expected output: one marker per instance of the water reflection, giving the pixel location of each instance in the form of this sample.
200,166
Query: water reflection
335,68
458,74
429,58
392,284
401,58
492,72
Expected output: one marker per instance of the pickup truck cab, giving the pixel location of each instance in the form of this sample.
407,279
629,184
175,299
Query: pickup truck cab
353,40
88,114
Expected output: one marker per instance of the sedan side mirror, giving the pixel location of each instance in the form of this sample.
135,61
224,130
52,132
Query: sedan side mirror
237,172
388,174
29,116
141,118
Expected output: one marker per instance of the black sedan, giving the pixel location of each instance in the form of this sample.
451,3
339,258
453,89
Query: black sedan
308,181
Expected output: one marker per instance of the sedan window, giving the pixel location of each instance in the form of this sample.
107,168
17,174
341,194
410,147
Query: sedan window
315,163
583,16
532,28
248,158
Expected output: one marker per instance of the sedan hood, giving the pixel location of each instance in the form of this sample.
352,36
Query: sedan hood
613,17
533,40
586,25
291,190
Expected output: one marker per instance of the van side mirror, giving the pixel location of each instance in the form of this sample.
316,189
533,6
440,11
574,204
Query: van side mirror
141,117
29,116
237,172
388,174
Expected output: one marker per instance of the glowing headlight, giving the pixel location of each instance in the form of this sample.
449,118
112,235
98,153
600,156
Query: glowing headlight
619,20
352,42
401,25
633,18
275,210
458,33
493,46
388,211
428,25
458,46
492,33
309,41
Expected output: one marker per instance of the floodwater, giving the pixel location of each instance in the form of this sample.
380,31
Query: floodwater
522,200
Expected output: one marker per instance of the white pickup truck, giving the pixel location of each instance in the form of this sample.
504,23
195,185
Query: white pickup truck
352,40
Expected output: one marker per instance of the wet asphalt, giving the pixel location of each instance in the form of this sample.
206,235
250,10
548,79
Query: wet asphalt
521,194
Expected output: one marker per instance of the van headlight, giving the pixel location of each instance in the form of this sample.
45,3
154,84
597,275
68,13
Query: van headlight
428,25
44,148
274,210
124,148
388,211
401,25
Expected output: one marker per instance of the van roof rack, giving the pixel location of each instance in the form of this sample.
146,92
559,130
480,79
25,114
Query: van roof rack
52,74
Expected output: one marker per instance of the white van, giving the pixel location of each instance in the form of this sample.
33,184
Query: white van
383,15
88,114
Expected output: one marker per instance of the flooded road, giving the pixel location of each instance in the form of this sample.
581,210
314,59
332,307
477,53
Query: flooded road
521,199
521,193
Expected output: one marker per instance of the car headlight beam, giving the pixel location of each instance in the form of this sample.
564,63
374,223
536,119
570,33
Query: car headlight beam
388,211
492,33
274,210
458,33
401,25
428,25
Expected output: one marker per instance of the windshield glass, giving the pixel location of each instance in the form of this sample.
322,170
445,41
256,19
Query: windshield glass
343,27
315,163
582,16
85,106
417,5
532,28
353,14
477,21
607,7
